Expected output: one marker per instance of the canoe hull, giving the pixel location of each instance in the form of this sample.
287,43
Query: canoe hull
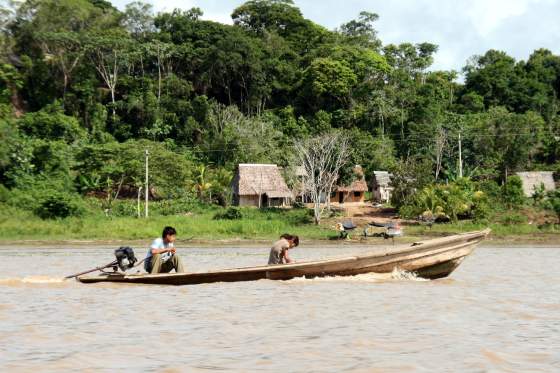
431,259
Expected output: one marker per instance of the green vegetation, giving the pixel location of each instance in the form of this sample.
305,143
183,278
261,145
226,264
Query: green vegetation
86,89
197,223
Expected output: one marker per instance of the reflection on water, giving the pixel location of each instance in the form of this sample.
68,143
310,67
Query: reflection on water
499,312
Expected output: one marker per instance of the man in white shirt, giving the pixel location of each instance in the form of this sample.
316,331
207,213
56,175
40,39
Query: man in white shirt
162,257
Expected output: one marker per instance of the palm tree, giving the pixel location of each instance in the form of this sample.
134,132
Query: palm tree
201,186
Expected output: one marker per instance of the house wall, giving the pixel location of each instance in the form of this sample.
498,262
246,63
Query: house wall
382,194
248,201
348,197
276,202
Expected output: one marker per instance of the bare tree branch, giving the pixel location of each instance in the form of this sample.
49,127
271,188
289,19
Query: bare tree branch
322,157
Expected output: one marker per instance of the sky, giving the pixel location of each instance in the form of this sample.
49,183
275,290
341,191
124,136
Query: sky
461,28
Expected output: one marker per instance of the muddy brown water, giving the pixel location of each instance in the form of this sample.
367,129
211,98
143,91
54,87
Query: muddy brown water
499,312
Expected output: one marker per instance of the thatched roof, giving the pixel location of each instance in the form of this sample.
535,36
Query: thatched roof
382,178
257,179
534,179
358,185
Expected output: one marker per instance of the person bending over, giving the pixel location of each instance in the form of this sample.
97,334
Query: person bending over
279,251
162,257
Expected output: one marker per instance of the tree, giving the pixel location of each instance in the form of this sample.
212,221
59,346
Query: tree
492,76
508,141
202,186
51,123
329,82
111,54
138,19
322,158
58,26
162,52
361,31
258,16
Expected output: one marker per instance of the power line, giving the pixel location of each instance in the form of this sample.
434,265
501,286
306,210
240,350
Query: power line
408,139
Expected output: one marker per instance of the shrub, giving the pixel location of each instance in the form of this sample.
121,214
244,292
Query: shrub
58,206
553,202
125,208
514,218
4,194
443,202
170,171
51,123
176,206
491,189
231,213
512,192
298,205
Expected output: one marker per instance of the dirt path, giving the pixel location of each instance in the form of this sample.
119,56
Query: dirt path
366,213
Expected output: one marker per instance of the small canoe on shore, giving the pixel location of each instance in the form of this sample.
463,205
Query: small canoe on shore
431,259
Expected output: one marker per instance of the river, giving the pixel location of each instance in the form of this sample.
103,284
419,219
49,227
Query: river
499,312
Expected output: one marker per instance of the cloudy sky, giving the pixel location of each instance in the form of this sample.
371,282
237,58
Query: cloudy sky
461,28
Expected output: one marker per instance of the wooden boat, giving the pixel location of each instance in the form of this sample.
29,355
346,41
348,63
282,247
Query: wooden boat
429,259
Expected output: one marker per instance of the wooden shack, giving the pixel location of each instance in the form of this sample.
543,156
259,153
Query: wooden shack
260,185
353,193
381,186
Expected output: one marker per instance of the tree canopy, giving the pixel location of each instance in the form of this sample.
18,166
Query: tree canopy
82,74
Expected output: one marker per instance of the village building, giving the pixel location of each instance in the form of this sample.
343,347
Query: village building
381,186
534,179
260,185
353,193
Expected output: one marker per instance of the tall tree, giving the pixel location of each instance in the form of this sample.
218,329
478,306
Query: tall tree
322,158
362,31
111,53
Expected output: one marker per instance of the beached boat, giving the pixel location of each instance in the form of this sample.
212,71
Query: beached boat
429,259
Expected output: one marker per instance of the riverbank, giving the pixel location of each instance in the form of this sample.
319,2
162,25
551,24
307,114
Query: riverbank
254,227
203,232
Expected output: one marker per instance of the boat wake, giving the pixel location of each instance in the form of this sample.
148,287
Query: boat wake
15,281
396,275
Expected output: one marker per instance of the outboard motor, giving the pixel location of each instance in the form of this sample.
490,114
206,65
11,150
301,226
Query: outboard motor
125,258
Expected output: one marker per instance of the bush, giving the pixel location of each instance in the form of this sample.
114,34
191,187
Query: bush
4,194
443,202
298,205
491,189
512,192
230,213
125,208
176,206
553,202
58,206
108,164
51,123
513,219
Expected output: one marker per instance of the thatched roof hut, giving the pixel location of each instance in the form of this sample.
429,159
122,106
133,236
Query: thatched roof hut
355,192
260,185
534,179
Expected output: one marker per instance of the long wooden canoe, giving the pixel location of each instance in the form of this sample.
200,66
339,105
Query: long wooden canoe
429,259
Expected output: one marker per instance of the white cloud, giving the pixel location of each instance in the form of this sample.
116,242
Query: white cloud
487,16
169,5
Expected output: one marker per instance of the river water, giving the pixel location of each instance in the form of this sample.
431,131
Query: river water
499,312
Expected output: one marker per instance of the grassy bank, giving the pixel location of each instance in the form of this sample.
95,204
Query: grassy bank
201,225
255,224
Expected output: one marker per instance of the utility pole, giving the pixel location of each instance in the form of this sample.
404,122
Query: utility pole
460,158
147,185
